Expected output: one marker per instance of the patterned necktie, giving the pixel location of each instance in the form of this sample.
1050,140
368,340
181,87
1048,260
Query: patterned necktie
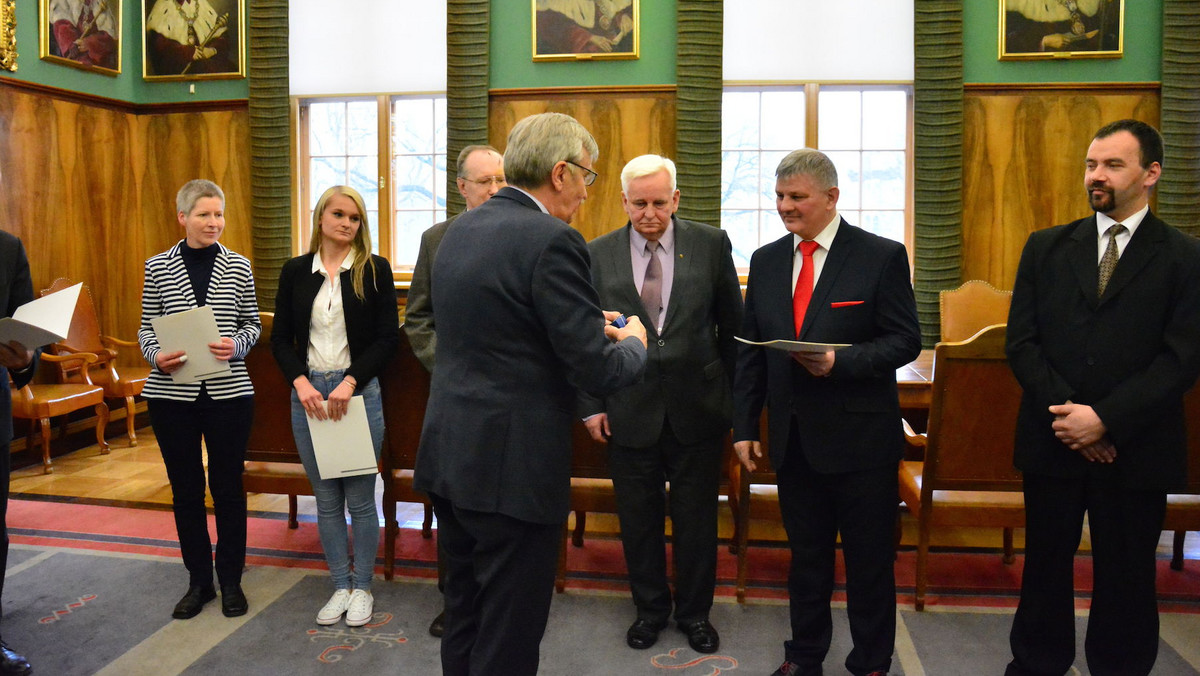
804,284
652,285
1108,262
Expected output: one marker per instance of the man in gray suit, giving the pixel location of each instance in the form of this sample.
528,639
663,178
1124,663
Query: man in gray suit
519,331
480,175
669,428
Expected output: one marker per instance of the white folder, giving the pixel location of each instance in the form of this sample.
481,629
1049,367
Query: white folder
191,331
344,448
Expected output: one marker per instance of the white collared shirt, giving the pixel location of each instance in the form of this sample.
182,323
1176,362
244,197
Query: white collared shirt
824,240
1104,222
328,346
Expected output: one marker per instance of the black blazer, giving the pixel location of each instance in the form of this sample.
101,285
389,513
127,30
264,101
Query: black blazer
372,324
850,420
1131,354
519,330
16,289
689,367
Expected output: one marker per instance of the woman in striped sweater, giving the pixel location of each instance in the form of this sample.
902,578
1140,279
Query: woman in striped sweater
199,271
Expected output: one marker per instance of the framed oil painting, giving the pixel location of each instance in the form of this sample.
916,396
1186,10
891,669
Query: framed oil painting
193,39
8,34
1062,29
81,33
583,30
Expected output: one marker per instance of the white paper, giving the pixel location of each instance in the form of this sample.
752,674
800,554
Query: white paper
191,331
795,345
344,448
42,321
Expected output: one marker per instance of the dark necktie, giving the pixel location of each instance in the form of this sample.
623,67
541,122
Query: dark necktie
804,284
1108,262
652,285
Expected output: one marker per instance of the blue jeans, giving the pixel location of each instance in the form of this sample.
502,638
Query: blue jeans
335,496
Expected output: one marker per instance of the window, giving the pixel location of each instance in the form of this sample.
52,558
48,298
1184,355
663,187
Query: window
342,142
863,128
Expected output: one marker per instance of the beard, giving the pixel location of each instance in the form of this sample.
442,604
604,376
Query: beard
1104,202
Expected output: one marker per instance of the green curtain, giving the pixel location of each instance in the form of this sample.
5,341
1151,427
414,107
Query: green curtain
270,140
698,108
1178,197
467,44
937,156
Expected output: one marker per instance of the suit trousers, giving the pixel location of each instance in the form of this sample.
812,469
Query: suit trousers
499,584
1125,527
862,506
224,425
639,478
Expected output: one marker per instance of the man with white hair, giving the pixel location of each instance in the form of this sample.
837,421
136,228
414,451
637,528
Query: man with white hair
670,428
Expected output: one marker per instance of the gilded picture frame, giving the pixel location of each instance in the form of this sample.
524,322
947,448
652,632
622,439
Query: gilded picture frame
8,34
84,34
585,30
193,40
1061,29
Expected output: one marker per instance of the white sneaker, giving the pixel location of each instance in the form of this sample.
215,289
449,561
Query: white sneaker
362,606
332,612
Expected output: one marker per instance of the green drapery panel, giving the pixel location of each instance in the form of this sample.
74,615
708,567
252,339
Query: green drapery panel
270,140
467,61
1178,198
937,156
698,108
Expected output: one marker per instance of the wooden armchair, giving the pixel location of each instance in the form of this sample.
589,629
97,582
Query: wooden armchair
752,495
591,491
971,307
1183,509
124,382
405,388
40,402
272,461
967,477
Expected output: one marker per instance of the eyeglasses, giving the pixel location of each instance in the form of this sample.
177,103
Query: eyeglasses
588,178
488,180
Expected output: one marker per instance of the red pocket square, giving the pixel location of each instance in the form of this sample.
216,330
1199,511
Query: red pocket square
846,303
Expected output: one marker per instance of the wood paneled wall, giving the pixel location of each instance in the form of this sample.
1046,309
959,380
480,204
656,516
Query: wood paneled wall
625,122
90,190
1023,162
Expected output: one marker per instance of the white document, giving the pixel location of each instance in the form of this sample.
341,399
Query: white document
344,448
191,331
42,321
795,345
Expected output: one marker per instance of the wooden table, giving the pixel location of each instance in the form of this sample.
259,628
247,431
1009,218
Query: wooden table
915,381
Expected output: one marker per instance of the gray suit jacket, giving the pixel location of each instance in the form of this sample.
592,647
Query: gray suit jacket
418,309
689,367
519,330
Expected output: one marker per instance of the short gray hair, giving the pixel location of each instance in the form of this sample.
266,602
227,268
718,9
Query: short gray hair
193,190
466,152
538,142
809,162
646,165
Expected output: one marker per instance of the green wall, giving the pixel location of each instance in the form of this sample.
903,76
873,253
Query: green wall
128,86
1142,61
512,63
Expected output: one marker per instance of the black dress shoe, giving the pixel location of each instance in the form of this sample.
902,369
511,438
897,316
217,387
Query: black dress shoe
643,633
12,663
233,601
701,636
193,601
438,626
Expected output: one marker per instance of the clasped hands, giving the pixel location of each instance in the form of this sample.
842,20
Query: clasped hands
1078,426
314,404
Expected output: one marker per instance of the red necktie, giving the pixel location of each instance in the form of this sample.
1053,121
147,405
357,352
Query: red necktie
804,284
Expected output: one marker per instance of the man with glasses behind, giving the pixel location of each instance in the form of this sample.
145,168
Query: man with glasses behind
519,331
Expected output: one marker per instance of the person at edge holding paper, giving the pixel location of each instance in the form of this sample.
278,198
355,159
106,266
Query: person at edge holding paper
833,417
200,271
336,326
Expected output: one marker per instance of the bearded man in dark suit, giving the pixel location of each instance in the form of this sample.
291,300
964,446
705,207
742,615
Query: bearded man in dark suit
519,331
833,416
671,427
1104,337
16,289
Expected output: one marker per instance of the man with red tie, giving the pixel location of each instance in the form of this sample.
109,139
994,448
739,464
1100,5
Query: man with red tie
833,415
